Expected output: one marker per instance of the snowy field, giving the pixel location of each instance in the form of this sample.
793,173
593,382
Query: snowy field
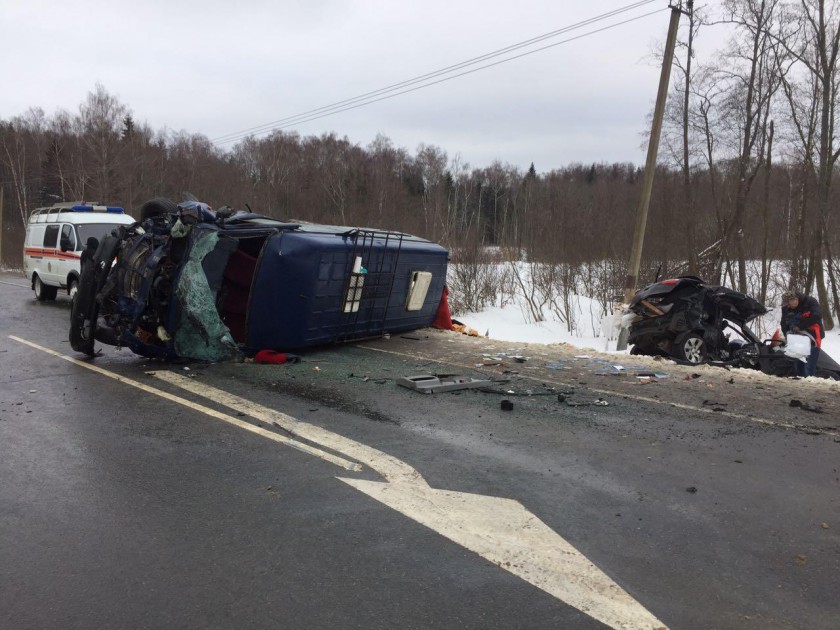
513,322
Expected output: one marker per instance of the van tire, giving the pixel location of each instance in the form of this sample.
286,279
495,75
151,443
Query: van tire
72,290
42,291
157,207
84,312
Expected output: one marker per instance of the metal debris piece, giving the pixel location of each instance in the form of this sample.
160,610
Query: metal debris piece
598,402
805,406
431,384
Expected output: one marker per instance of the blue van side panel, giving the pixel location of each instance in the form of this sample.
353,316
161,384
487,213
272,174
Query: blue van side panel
300,286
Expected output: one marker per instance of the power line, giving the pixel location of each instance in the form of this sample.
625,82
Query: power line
392,90
339,106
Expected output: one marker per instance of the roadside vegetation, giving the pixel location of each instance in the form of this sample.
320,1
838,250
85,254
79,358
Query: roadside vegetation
745,193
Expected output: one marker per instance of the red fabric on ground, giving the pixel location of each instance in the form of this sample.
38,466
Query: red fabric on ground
270,356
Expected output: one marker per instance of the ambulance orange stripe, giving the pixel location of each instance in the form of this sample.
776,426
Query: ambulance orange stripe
50,253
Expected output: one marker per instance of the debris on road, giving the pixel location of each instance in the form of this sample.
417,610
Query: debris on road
598,402
430,384
805,406
600,367
464,330
557,366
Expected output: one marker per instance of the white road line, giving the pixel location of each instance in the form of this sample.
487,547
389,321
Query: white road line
15,284
500,530
281,439
389,467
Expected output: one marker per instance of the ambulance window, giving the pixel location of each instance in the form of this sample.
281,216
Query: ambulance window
68,238
51,236
96,230
36,239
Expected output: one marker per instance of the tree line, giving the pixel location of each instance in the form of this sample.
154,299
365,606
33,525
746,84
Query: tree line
746,172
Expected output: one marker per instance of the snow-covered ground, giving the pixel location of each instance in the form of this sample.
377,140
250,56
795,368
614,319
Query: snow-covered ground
513,322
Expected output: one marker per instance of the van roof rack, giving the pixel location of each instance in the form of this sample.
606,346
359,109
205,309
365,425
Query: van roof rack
42,214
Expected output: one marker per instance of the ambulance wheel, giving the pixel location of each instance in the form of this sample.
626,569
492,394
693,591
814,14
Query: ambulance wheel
43,292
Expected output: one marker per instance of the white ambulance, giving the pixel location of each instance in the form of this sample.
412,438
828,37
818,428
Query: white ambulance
55,239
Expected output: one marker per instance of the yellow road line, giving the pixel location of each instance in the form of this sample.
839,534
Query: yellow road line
338,461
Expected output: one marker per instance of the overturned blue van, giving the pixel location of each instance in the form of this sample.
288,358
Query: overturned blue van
188,282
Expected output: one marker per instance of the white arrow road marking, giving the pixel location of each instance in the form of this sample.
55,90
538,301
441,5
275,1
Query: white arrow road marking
502,531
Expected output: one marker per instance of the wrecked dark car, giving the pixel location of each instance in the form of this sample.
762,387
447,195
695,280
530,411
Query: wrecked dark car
694,322
189,282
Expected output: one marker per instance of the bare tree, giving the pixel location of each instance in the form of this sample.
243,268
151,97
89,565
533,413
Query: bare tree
679,142
99,123
21,144
432,164
818,53
753,81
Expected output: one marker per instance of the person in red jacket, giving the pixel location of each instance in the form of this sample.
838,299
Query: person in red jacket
801,314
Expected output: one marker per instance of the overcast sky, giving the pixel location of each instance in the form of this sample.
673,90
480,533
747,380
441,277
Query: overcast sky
217,68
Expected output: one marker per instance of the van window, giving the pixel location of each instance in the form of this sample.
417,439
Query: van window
96,230
51,236
68,238
35,236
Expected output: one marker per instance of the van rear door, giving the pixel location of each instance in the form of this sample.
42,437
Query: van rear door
49,271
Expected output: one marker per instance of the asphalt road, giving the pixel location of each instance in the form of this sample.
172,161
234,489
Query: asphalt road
123,508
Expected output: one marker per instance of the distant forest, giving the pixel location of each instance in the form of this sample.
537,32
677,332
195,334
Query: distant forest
747,170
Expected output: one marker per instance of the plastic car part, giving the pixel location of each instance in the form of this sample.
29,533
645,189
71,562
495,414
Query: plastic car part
430,384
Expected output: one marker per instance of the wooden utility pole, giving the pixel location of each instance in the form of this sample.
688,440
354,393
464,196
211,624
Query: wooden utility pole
650,165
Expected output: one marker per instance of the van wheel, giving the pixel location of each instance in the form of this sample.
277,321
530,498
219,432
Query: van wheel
72,290
44,292
159,206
